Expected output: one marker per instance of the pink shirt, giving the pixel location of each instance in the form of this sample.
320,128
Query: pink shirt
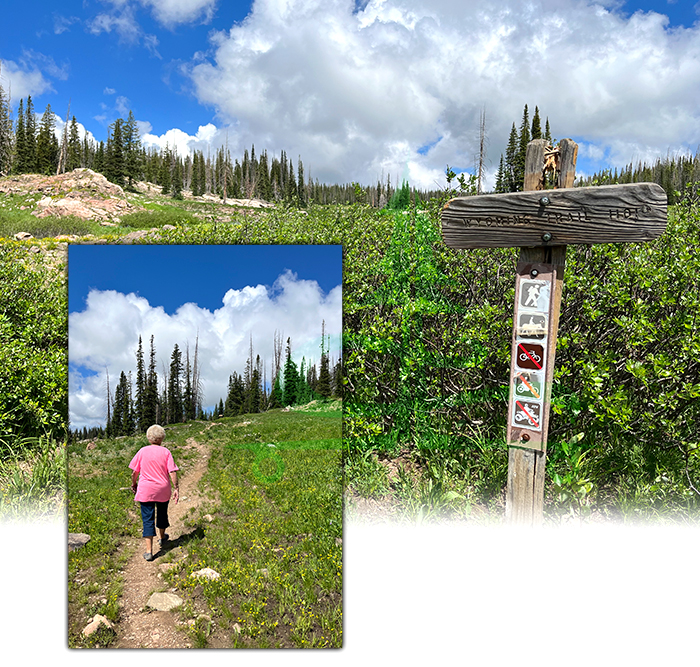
153,463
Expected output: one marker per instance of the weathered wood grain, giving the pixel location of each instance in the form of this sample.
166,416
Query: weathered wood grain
568,152
608,214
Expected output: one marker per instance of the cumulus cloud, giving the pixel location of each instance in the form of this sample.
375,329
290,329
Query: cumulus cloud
173,12
104,336
122,21
361,91
31,74
206,136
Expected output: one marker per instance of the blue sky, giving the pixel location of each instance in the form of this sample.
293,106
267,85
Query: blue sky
366,90
220,296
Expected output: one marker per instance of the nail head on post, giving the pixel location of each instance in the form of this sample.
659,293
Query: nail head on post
546,237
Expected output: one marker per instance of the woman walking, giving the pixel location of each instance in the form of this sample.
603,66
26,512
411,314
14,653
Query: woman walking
154,471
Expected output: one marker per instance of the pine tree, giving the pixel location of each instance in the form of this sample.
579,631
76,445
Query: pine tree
47,144
174,395
323,388
74,149
150,404
132,150
301,189
511,158
291,187
523,141
6,137
194,182
164,179
547,133
500,177
276,395
114,167
236,396
291,377
20,142
141,389
177,178
30,137
536,132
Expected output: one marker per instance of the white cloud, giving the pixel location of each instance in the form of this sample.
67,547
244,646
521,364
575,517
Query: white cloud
105,335
172,12
29,76
358,92
207,135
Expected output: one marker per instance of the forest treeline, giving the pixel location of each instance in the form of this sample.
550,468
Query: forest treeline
138,403
28,146
674,173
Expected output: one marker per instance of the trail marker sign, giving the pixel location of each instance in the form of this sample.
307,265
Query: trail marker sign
542,223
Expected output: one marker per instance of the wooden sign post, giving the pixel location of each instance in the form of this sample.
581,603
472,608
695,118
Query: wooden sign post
542,224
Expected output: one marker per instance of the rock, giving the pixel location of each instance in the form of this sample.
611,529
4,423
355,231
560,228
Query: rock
237,628
165,567
23,236
264,571
90,446
207,573
208,517
94,625
106,223
168,227
138,235
164,601
77,540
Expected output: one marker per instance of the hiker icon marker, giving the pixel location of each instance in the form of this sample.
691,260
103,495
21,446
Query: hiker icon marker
534,294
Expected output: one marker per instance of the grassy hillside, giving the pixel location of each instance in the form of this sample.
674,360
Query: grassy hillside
273,531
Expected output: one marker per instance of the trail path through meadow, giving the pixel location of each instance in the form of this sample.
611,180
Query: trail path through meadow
141,627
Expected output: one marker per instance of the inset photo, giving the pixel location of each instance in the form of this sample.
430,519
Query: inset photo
204,451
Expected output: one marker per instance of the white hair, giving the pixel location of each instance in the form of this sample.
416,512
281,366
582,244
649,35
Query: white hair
155,434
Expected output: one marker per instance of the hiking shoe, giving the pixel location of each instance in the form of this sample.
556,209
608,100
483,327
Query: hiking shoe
148,556
164,540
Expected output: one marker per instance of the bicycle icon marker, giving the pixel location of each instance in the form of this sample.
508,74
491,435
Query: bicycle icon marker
529,356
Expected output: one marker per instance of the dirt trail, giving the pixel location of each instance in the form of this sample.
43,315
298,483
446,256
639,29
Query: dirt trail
140,627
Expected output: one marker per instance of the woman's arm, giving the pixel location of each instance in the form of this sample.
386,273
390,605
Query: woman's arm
176,490
134,481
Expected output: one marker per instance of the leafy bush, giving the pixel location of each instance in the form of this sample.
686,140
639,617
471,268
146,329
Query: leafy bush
33,349
427,358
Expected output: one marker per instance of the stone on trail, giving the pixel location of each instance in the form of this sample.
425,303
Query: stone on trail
94,625
207,573
77,540
164,601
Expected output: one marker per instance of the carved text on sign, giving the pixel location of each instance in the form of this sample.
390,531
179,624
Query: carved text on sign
606,214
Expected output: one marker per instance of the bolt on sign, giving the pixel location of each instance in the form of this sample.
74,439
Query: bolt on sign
542,223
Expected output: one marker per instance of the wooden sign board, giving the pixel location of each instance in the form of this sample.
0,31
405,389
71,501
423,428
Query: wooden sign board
605,214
